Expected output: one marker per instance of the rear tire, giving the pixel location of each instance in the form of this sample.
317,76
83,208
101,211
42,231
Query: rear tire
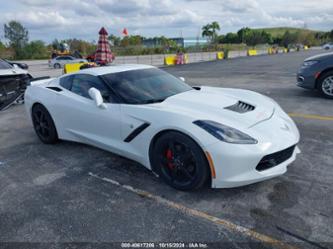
180,161
325,85
57,66
44,125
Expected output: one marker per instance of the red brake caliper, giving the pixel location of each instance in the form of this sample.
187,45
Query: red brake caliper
169,156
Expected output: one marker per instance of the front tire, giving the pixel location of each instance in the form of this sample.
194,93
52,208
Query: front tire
44,125
180,161
57,66
325,85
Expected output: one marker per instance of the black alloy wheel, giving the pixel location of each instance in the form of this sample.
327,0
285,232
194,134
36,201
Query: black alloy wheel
180,161
44,125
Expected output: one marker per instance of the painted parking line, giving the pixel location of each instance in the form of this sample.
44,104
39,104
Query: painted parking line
310,116
218,221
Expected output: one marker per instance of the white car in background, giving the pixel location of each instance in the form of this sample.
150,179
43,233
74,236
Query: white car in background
60,61
186,135
328,46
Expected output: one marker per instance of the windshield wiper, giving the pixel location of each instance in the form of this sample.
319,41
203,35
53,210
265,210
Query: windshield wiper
151,101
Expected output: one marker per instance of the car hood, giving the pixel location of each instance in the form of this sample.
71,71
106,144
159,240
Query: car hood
12,71
228,106
320,57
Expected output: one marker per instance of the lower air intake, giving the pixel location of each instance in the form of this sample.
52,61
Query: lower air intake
276,158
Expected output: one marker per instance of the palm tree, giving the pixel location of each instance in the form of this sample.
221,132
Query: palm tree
210,30
207,31
215,26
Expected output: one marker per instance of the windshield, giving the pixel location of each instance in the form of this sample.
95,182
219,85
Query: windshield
145,86
5,65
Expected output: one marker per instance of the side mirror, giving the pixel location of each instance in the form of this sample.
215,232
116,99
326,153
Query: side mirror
182,79
15,66
97,97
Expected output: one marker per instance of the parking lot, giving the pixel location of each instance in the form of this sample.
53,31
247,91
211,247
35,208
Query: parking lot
70,192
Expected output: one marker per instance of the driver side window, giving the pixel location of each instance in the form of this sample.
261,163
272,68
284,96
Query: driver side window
83,82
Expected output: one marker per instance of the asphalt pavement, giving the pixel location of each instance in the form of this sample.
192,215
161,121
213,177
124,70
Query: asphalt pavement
71,193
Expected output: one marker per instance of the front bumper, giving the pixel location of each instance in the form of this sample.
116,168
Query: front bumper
235,164
308,82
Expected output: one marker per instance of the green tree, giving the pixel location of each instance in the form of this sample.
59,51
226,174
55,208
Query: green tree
115,40
2,46
135,40
210,31
55,44
288,38
215,27
207,31
255,37
231,38
331,35
35,50
132,40
2,49
167,43
17,35
243,33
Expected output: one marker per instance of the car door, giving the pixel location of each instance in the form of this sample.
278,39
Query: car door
80,118
65,60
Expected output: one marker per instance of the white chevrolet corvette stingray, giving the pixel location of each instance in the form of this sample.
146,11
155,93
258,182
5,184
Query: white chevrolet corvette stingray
186,135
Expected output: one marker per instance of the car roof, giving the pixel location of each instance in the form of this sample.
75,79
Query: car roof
62,56
113,69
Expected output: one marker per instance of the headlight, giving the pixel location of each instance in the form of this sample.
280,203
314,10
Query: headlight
225,133
309,63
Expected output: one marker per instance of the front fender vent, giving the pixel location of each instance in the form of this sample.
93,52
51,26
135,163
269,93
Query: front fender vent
241,107
54,88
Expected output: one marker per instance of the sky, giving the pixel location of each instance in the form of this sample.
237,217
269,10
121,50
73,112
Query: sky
82,19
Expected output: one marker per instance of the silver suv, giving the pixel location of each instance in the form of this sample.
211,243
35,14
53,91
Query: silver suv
60,61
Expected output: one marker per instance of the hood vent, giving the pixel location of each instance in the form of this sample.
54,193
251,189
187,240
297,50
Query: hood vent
241,107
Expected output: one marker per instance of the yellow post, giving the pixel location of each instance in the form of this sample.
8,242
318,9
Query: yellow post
170,60
219,55
251,52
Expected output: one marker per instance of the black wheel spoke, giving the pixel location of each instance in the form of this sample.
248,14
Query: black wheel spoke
186,173
186,157
181,155
41,124
36,117
42,117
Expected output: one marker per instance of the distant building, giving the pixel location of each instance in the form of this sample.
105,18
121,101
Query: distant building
192,41
181,42
157,42
151,42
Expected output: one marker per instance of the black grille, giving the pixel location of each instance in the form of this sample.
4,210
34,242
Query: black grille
276,158
240,107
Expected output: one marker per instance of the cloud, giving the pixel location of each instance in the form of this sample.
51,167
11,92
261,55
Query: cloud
82,18
240,6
